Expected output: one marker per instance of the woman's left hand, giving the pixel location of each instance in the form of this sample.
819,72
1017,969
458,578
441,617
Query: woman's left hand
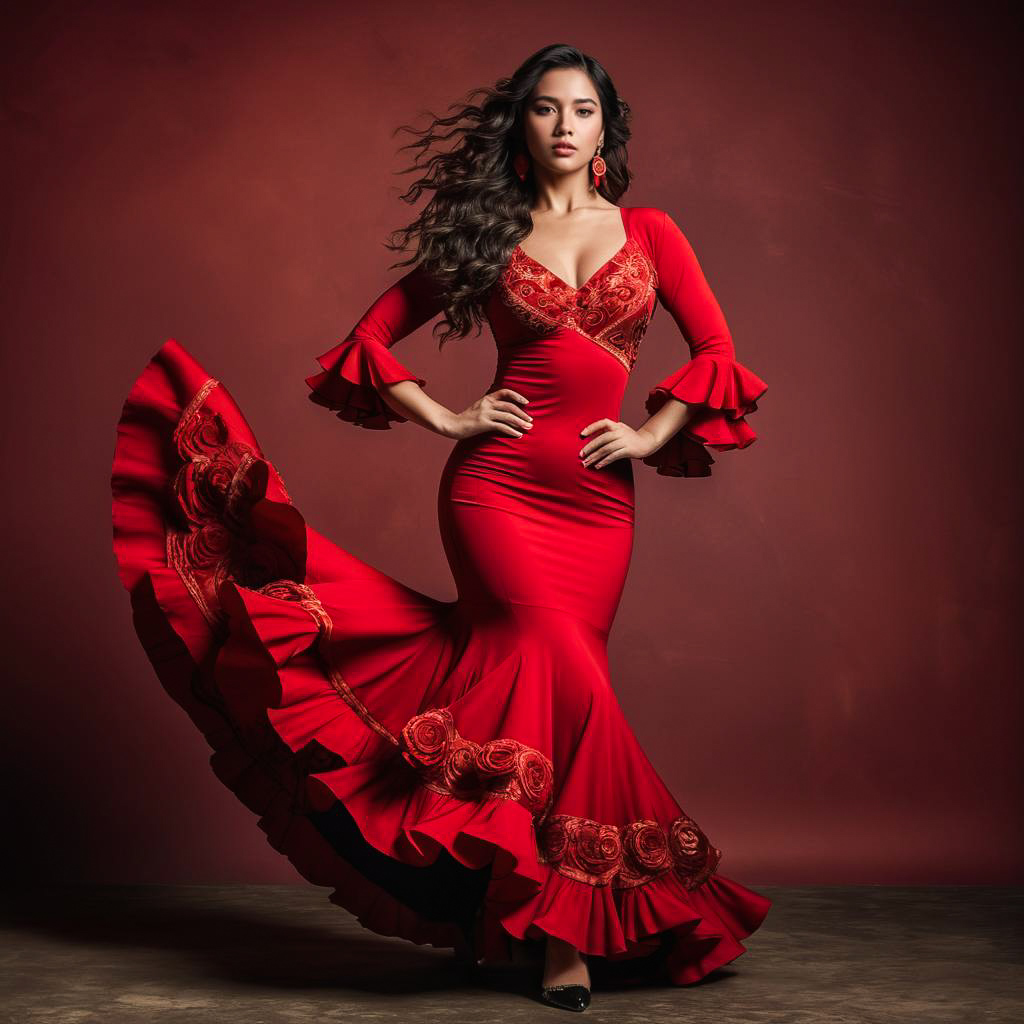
614,440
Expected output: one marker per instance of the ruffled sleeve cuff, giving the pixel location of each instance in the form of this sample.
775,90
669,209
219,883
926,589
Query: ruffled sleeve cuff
349,385
725,392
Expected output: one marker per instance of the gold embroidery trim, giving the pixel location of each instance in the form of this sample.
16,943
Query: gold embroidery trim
630,265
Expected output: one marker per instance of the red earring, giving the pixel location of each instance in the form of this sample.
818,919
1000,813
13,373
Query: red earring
521,163
599,167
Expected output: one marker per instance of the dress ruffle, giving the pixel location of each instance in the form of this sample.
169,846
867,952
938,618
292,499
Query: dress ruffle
349,384
286,651
725,392
401,818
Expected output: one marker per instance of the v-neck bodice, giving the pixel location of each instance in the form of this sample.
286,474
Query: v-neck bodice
611,309
562,280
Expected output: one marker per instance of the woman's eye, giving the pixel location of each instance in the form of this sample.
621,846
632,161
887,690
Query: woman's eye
546,107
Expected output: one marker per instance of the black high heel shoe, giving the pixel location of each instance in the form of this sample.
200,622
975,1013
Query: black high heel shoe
568,997
571,996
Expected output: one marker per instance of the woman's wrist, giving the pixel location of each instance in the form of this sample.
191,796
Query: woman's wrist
660,428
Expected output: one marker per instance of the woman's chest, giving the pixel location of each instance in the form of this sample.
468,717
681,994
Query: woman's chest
612,309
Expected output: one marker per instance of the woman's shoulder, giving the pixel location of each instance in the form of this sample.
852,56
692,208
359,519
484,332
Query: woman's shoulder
651,216
646,223
645,212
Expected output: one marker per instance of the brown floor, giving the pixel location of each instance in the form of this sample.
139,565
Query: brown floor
251,954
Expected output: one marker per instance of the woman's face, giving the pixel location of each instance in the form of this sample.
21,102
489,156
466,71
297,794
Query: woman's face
563,108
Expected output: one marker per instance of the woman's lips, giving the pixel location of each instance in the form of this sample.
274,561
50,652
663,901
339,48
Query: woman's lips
564,150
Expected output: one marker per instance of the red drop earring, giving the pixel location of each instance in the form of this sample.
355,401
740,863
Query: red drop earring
521,163
598,166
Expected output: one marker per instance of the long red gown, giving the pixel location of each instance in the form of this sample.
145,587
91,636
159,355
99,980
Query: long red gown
455,770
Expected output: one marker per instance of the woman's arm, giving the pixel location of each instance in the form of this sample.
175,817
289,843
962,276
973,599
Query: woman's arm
365,384
358,371
665,423
411,402
704,401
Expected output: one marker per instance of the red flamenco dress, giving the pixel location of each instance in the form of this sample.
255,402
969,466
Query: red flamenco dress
457,771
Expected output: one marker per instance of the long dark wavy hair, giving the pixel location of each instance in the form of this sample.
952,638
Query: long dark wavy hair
480,210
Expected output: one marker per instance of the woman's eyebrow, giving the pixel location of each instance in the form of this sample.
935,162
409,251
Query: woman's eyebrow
585,99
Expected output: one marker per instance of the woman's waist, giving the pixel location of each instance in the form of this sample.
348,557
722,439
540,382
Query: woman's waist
540,469
560,409
562,376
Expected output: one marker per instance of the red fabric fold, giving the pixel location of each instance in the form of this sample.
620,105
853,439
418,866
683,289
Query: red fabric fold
705,923
349,385
724,391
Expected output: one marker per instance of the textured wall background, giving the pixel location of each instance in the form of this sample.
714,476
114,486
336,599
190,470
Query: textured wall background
814,645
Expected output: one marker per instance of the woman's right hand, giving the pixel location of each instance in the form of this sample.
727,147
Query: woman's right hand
499,411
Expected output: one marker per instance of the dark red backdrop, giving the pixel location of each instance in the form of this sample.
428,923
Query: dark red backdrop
814,645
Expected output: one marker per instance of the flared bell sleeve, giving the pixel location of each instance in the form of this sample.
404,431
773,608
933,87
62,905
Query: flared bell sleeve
355,368
723,390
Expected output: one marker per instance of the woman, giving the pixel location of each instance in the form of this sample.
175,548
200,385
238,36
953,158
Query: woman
461,772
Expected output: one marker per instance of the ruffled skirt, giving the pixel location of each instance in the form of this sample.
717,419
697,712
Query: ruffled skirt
457,772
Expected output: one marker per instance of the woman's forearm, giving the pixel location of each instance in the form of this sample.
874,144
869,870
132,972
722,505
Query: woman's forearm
667,421
408,399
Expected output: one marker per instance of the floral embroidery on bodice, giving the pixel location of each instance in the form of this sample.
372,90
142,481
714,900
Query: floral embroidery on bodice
612,308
